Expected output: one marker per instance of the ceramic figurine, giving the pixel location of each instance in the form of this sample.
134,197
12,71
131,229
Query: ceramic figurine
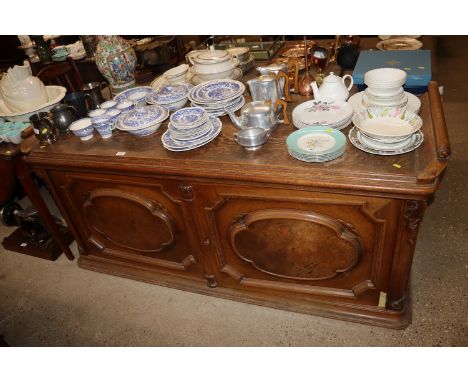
116,60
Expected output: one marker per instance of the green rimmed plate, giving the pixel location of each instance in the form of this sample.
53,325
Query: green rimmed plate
316,140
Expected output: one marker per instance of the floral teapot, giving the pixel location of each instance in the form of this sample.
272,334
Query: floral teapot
333,88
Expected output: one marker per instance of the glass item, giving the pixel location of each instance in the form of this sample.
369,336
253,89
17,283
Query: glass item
320,57
305,82
42,49
116,60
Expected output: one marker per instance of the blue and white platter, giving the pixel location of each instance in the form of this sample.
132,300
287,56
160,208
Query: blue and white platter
316,144
134,94
216,91
168,94
172,144
143,117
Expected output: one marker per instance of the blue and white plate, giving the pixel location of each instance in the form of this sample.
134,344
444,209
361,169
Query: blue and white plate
143,117
175,145
134,94
216,91
190,135
168,94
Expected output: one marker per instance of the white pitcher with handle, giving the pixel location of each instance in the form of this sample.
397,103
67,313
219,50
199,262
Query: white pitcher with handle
333,88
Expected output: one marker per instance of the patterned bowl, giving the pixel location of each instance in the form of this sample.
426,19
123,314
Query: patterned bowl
387,122
82,128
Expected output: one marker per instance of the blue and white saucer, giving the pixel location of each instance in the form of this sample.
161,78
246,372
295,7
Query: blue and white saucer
172,144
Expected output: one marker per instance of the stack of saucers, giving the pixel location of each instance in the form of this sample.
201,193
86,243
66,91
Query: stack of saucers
332,114
217,95
386,131
316,144
190,128
173,97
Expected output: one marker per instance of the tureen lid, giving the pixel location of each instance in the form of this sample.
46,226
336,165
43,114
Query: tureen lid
212,56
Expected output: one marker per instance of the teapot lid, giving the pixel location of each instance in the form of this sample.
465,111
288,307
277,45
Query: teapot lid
332,78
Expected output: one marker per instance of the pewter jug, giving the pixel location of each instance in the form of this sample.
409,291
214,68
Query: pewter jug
93,92
265,87
260,114
276,67
63,115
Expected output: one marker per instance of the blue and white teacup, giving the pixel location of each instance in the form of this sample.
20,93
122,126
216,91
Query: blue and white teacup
114,116
103,126
108,104
125,105
82,128
97,113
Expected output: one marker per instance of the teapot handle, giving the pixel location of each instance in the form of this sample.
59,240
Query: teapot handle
283,103
351,82
280,74
293,62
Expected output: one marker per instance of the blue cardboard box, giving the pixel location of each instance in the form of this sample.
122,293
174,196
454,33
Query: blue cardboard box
416,64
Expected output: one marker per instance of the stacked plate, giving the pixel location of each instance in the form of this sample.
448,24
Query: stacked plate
136,95
173,97
217,95
316,144
332,114
386,131
190,128
246,60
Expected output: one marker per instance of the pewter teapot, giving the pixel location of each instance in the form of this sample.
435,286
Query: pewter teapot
333,88
276,67
265,87
260,114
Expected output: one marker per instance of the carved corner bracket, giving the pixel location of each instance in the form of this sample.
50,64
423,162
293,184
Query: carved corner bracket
413,217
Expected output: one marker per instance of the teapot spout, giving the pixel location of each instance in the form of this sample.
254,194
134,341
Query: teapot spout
236,121
315,90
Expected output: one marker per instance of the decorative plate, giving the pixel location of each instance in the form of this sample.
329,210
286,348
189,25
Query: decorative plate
143,117
168,94
322,112
399,43
173,145
236,75
414,103
216,91
133,94
353,138
316,140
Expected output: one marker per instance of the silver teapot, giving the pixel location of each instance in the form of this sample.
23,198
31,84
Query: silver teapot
276,67
260,114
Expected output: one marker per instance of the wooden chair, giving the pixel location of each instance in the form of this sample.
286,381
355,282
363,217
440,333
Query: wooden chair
63,74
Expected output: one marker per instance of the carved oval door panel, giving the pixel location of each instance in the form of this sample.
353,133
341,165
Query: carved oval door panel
299,245
128,220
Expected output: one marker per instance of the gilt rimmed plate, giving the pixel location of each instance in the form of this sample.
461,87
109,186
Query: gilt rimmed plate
322,112
216,91
399,43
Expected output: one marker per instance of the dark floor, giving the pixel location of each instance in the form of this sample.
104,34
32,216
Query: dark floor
59,304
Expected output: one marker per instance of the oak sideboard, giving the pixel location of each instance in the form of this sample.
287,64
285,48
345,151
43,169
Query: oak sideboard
334,239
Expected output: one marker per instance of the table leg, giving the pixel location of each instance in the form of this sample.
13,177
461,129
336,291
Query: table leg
24,175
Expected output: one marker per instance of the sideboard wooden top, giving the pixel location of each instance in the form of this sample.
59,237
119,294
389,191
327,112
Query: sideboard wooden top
416,172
